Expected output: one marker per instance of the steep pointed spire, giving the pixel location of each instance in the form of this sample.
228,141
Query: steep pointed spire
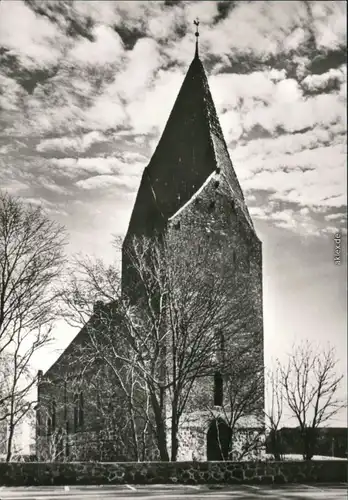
191,148
196,23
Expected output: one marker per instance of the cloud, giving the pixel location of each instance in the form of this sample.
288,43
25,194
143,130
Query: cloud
53,107
106,48
104,12
127,171
125,95
229,88
11,94
280,150
261,28
259,100
78,144
306,168
49,207
106,181
162,22
106,112
80,165
321,82
16,187
139,70
133,157
258,212
308,177
255,108
59,114
9,148
123,72
329,24
35,40
49,184
145,114
297,220
336,216
59,105
250,197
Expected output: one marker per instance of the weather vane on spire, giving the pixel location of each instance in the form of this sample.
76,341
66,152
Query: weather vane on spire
196,23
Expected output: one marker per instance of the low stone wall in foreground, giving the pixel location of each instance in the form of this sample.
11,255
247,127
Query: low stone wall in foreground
55,473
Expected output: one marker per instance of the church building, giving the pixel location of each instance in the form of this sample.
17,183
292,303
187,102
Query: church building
189,178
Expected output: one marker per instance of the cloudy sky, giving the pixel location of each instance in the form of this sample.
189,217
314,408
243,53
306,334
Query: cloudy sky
85,91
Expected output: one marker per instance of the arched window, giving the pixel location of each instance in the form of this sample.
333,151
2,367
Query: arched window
54,415
65,402
38,421
49,426
67,430
81,410
76,412
218,389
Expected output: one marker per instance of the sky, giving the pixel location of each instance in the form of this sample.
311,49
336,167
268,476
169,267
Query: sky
86,89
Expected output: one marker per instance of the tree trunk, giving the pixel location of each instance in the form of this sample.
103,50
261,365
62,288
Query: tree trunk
134,433
174,436
160,430
275,444
10,440
309,442
161,441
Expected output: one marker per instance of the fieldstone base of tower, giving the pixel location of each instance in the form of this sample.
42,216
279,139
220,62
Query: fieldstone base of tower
192,444
87,447
212,440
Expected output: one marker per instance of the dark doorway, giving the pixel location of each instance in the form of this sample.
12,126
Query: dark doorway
218,440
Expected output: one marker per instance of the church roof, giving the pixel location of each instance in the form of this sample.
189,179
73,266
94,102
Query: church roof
190,149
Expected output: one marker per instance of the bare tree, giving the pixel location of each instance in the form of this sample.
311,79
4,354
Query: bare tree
31,259
91,295
274,410
241,407
120,406
51,440
311,384
200,300
169,315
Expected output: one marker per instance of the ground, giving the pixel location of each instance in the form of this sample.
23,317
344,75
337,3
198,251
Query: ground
170,492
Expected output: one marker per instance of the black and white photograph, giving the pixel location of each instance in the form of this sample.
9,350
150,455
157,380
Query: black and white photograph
173,241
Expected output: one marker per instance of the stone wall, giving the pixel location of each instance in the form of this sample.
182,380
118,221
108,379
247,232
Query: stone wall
87,447
26,474
248,442
211,219
192,443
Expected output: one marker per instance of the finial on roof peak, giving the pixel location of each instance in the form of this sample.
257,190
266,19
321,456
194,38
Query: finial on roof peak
196,23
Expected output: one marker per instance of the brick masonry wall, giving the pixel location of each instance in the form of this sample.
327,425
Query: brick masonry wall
27,474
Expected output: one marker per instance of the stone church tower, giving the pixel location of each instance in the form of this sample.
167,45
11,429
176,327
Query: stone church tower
189,176
188,188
